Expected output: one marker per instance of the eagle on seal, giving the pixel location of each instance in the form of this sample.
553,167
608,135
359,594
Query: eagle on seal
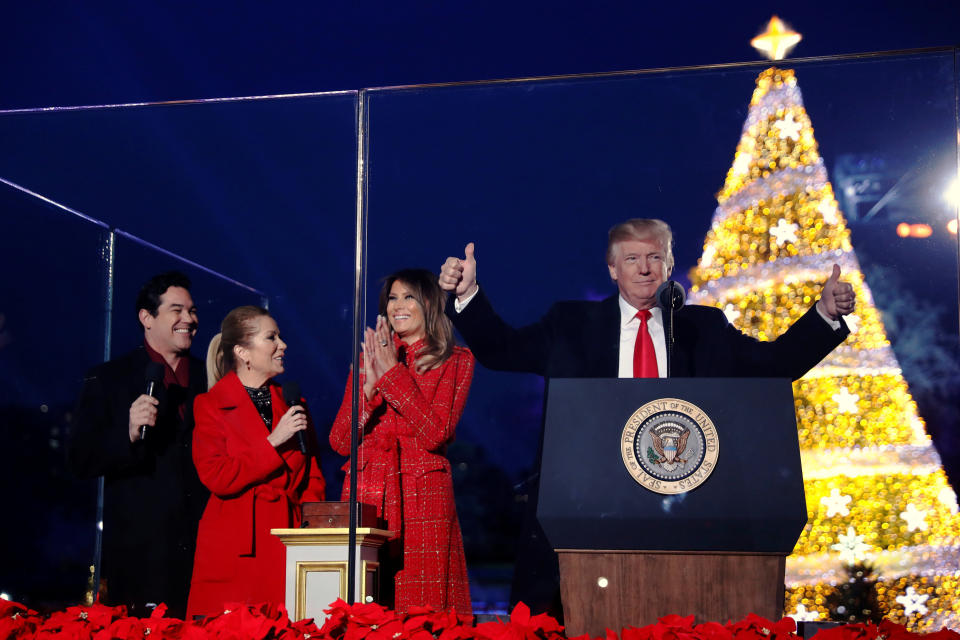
671,447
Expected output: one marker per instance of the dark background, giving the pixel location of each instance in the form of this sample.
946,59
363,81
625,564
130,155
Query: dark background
64,53
263,190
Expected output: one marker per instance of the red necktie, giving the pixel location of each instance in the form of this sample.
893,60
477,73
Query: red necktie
644,356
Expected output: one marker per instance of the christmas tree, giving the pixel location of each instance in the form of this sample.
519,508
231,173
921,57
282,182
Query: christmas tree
883,525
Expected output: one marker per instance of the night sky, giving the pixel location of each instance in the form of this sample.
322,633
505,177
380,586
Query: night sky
70,53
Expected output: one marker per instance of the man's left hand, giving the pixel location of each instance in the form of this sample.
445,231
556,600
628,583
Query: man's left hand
837,298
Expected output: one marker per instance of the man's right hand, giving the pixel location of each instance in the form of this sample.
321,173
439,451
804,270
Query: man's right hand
460,275
143,411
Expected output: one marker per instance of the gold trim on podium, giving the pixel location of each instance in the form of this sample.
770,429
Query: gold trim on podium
303,568
366,537
372,570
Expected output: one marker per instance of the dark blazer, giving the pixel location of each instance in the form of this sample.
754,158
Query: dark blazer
153,498
581,339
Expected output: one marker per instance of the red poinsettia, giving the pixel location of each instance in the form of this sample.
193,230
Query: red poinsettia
301,629
16,621
943,634
713,631
374,622
246,622
522,626
755,627
122,629
849,632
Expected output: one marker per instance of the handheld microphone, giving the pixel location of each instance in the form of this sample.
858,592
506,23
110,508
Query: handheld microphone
154,378
291,395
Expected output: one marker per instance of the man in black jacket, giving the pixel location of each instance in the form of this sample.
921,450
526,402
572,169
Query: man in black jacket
141,444
625,336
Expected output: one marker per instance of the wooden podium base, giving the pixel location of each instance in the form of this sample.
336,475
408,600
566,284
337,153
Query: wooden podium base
616,589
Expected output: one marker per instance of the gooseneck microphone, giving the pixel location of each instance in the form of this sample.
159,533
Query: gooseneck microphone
291,395
154,378
670,297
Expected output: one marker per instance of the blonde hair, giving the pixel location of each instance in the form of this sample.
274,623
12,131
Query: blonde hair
236,329
642,229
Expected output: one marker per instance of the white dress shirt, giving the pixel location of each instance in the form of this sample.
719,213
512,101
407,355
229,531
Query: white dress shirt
629,327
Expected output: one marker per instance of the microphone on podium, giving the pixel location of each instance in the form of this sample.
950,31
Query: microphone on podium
670,297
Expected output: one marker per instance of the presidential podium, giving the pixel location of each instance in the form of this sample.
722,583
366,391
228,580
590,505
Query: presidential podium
673,496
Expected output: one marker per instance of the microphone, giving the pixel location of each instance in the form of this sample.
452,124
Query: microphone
670,297
291,395
154,377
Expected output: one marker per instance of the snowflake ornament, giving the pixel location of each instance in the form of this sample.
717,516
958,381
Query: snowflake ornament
846,401
802,615
948,498
828,209
913,602
836,504
853,322
852,548
732,312
741,163
709,253
916,518
789,128
785,232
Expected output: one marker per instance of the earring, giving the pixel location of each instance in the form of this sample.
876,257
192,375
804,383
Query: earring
248,365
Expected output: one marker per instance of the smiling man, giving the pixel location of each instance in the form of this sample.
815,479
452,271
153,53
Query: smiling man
624,336
585,339
141,445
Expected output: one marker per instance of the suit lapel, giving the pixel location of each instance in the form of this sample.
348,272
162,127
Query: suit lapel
683,347
608,333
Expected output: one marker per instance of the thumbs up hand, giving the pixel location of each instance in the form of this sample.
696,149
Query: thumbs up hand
837,298
460,274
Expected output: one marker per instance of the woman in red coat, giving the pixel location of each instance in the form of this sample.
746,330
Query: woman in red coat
415,383
246,454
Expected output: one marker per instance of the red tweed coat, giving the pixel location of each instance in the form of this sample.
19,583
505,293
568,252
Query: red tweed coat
254,488
404,472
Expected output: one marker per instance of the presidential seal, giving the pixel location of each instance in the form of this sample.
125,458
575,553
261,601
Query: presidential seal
669,446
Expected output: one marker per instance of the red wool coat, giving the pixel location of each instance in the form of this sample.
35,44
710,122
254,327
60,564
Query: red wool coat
254,488
402,469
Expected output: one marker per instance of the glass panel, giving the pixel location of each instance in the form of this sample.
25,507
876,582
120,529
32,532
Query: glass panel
535,172
263,190
260,189
135,261
53,312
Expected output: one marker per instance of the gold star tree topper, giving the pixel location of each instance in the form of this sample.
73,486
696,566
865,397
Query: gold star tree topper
777,41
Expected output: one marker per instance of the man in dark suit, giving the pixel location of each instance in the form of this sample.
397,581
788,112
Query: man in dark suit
625,336
141,445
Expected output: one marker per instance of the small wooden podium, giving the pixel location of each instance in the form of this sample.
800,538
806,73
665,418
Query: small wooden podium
316,567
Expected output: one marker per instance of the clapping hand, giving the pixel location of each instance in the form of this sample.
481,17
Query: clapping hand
379,354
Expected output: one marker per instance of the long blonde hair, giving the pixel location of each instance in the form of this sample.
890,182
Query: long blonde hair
236,329
431,298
